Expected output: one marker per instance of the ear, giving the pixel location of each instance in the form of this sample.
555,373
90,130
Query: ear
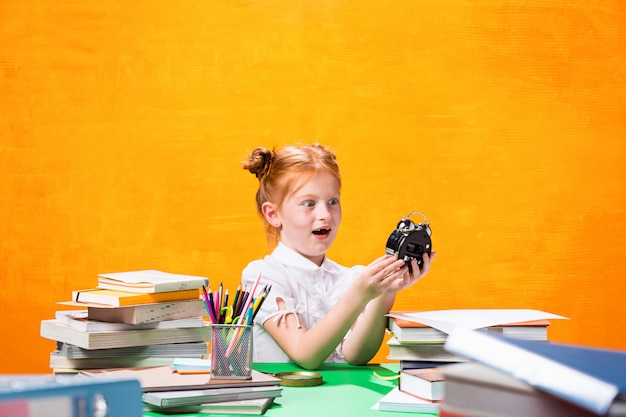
270,212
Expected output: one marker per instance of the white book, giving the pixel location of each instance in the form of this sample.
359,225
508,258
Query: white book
397,400
169,350
447,320
60,361
180,398
150,281
78,319
248,407
592,378
55,330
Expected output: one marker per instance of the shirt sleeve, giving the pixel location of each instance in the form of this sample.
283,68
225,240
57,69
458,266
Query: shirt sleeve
274,276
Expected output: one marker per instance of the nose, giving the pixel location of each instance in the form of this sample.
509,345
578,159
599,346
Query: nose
323,212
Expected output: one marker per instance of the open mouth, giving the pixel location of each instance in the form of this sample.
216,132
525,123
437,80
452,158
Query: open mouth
321,232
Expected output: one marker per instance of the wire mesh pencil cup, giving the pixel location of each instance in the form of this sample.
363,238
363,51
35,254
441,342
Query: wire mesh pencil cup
231,351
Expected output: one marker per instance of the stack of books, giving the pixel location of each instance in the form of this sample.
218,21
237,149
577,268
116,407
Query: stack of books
130,319
197,391
418,343
418,338
507,377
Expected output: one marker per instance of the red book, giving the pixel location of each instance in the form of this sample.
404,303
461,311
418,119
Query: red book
427,383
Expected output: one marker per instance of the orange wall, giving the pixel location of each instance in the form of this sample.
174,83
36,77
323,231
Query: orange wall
123,124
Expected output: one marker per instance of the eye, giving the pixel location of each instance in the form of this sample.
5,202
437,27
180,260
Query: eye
309,203
333,201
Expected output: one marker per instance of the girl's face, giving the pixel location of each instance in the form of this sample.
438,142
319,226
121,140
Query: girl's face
310,217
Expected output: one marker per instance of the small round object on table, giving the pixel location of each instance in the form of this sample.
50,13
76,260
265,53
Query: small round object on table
299,379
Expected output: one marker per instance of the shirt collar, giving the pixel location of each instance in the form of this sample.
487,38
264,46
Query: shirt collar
292,258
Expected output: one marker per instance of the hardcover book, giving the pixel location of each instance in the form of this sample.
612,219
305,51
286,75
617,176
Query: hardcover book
591,378
150,281
423,383
474,389
117,298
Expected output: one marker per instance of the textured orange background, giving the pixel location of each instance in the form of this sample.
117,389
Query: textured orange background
123,124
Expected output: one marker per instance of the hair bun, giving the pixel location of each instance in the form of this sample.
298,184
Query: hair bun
259,162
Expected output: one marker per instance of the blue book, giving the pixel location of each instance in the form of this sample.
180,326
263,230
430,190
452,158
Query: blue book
65,395
592,378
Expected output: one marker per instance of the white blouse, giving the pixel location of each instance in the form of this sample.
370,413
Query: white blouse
308,290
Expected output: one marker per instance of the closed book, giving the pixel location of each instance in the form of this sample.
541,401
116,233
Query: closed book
409,364
473,389
425,383
161,378
411,331
78,319
591,378
397,400
446,320
117,298
60,361
407,331
55,330
248,407
150,281
179,350
168,399
420,352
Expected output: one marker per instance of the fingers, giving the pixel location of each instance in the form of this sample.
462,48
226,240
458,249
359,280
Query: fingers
427,261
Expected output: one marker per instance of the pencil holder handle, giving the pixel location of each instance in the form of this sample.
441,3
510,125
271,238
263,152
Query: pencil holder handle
231,351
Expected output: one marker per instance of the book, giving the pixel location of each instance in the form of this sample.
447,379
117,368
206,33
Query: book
55,330
397,400
192,364
60,361
117,298
167,399
446,320
591,378
473,389
434,352
248,407
78,319
148,313
425,383
38,395
161,378
411,364
413,332
169,350
150,281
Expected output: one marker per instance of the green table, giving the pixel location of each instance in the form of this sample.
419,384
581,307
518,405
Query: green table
347,391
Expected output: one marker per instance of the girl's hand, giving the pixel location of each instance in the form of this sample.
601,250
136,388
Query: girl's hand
410,278
378,277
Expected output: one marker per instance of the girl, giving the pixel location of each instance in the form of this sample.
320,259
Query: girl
317,310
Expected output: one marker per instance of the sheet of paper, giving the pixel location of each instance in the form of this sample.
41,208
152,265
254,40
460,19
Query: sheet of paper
446,320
